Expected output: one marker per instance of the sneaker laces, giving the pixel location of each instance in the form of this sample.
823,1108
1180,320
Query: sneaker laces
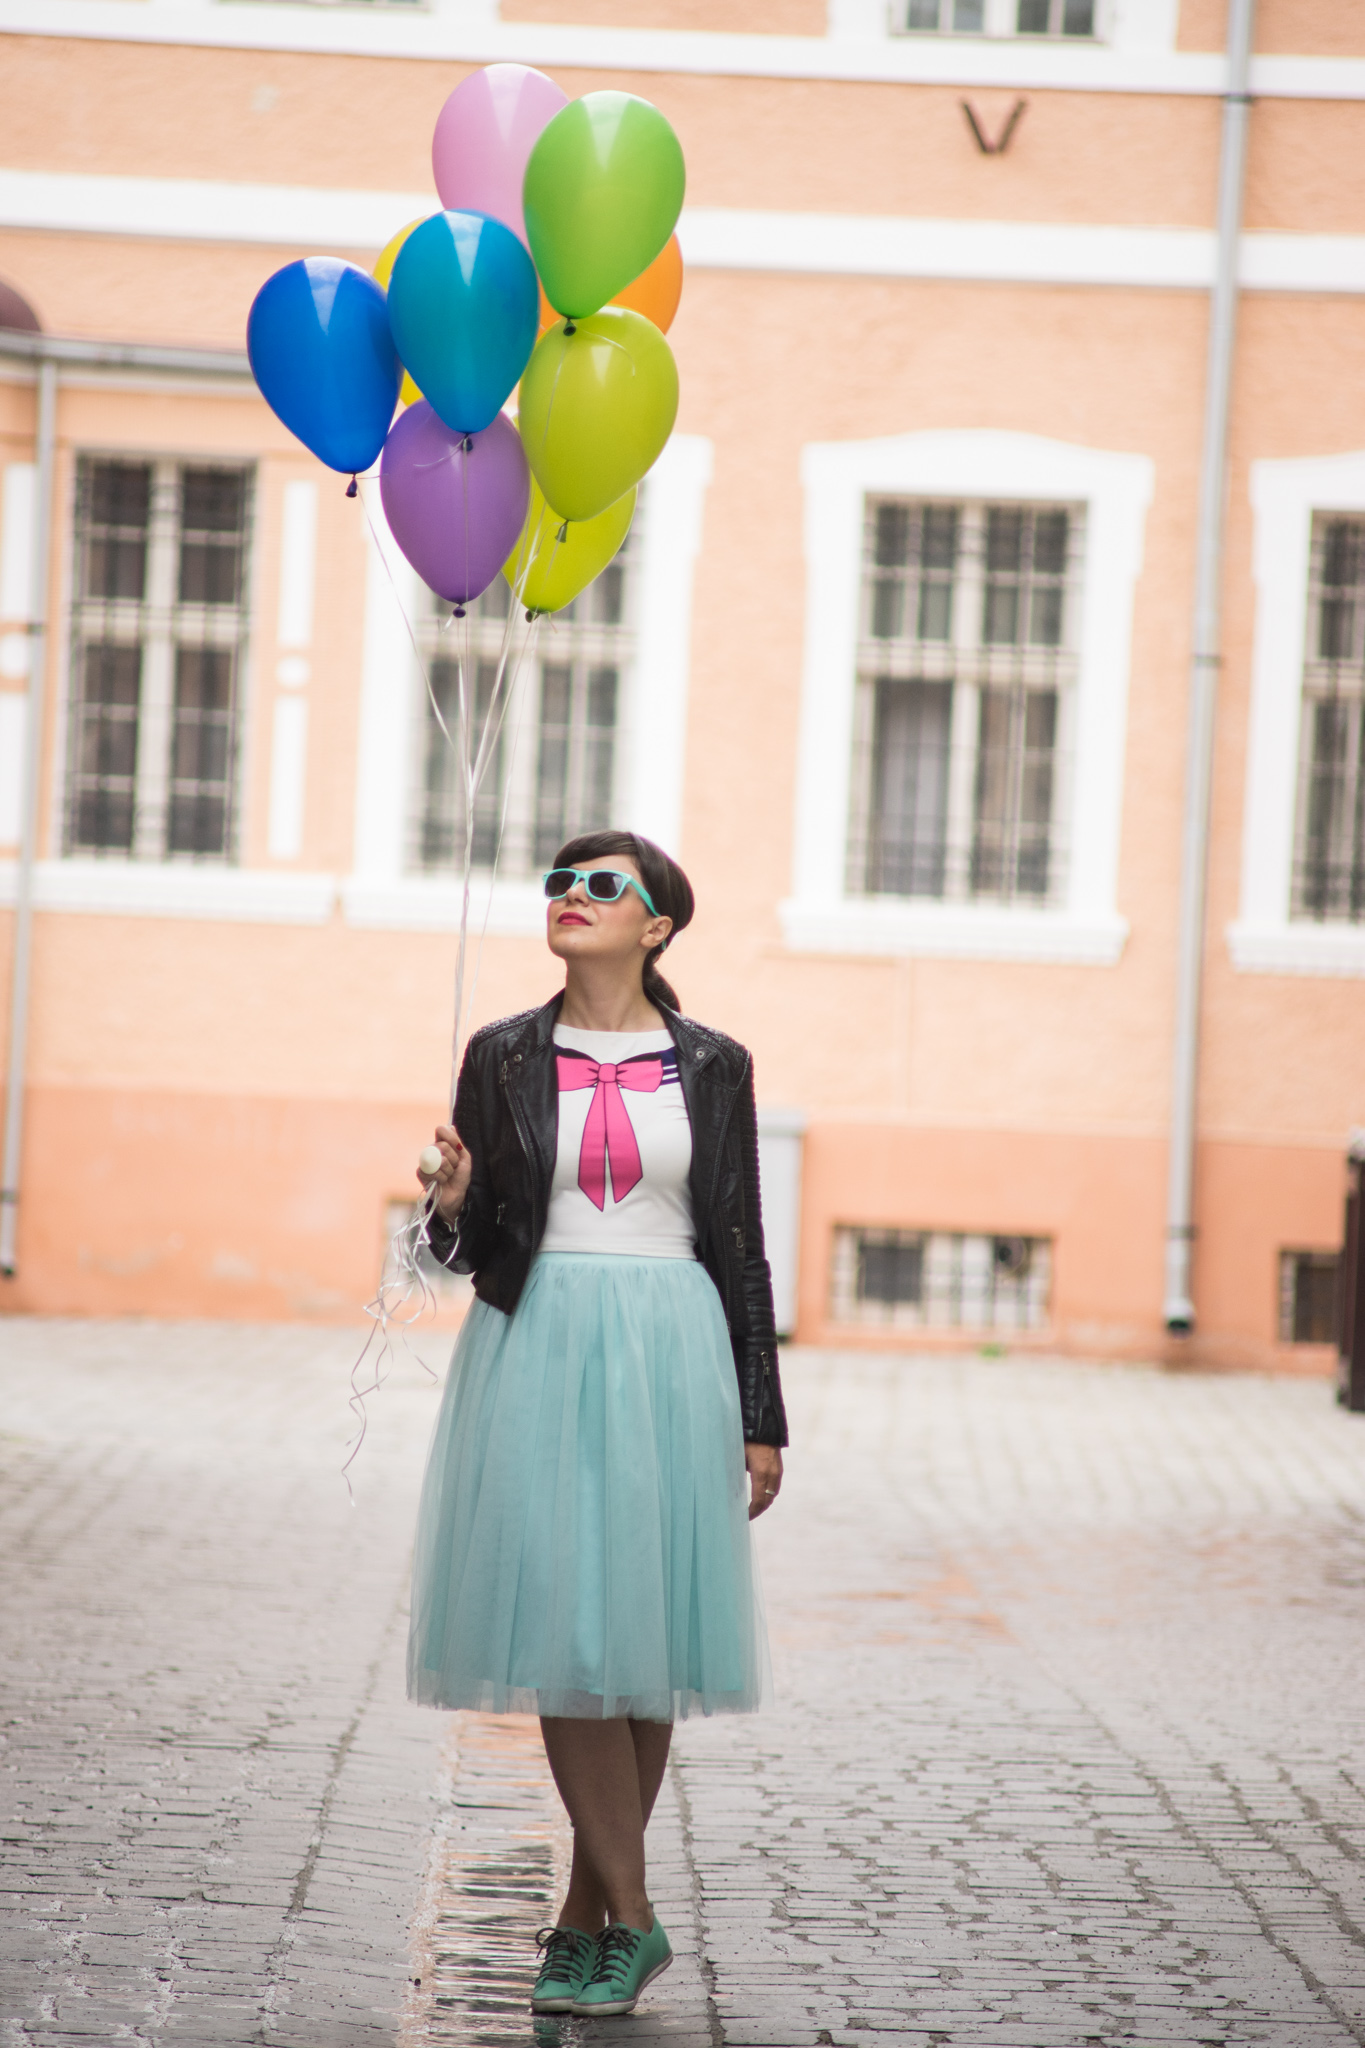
615,1952
561,1946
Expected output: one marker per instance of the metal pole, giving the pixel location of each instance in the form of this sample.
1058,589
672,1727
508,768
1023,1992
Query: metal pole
1205,663
28,845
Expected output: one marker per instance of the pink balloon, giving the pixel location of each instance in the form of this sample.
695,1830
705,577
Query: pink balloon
455,503
484,134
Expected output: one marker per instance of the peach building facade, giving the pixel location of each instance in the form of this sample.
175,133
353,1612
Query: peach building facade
897,659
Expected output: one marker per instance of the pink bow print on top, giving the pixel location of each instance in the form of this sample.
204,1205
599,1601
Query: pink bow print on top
608,1135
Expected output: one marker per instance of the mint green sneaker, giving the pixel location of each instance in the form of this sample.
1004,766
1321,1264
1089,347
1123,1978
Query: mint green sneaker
564,1972
624,1961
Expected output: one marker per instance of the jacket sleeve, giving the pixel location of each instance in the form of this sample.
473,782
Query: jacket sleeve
465,1245
760,1388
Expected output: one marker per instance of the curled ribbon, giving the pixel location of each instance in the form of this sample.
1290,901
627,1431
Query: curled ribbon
608,1135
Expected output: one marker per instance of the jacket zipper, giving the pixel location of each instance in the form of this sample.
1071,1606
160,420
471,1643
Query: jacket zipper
524,1139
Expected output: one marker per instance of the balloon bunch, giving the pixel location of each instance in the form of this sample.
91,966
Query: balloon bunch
552,265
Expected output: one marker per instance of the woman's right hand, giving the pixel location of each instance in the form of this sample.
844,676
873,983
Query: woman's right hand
452,1182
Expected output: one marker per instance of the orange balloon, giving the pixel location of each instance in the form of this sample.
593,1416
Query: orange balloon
655,292
548,315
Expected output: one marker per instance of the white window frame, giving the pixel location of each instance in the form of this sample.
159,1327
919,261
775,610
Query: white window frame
1264,939
160,614
1085,925
381,890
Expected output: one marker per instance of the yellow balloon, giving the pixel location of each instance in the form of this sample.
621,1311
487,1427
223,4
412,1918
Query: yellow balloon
598,400
382,272
557,570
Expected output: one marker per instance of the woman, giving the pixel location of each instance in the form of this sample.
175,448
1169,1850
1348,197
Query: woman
583,1543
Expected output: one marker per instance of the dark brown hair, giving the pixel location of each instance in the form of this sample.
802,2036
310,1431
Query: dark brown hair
668,886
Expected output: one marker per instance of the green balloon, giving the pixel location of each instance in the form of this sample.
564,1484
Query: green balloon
597,405
602,194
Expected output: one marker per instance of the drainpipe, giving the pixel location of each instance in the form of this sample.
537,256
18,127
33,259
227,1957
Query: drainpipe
28,845
1206,661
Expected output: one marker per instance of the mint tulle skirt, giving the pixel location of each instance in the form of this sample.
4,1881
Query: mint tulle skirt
583,1538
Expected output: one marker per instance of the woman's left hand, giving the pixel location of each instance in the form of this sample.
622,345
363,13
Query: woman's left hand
764,1463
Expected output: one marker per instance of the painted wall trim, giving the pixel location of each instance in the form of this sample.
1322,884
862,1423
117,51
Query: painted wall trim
1284,497
1334,951
119,888
1137,59
673,504
713,237
386,669
431,903
952,932
13,732
288,778
1116,490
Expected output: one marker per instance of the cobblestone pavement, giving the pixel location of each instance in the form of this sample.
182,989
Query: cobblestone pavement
1066,1746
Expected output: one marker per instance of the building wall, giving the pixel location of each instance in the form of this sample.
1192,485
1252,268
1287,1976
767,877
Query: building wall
222,1105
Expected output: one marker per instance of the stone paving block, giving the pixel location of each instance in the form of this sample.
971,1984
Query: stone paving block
1062,1753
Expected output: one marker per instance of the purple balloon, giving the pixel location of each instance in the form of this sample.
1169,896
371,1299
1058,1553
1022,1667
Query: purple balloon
455,503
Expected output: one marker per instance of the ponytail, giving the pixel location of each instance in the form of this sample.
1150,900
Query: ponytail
658,991
669,889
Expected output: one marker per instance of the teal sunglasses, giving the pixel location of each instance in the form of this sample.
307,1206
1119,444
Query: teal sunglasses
604,885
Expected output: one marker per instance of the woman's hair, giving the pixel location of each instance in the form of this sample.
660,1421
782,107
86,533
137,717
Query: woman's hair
668,886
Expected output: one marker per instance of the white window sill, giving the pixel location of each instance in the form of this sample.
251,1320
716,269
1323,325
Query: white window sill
432,903
126,888
951,931
1325,949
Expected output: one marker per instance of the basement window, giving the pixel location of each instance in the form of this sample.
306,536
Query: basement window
941,1279
1308,1297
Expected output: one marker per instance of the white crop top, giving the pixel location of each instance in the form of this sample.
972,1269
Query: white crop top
625,1147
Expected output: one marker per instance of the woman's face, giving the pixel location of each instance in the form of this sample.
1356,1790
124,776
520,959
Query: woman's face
578,927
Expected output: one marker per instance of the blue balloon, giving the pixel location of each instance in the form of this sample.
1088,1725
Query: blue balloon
321,352
464,307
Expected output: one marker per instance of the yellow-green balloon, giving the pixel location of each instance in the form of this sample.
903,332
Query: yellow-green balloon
598,401
601,196
557,569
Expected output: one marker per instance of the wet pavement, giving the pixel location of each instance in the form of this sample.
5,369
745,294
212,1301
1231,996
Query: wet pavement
1067,1745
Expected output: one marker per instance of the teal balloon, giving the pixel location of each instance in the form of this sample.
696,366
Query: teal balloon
603,190
464,308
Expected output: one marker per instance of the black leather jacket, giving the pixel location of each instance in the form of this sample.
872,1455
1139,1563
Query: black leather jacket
507,1113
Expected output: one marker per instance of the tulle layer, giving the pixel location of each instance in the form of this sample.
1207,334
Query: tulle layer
583,1538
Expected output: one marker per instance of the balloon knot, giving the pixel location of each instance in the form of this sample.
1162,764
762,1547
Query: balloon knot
530,618
468,444
569,327
563,533
458,612
352,489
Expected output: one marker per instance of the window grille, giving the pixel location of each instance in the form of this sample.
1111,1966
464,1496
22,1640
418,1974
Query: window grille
1329,839
998,17
159,628
552,769
1308,1297
965,702
941,1279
